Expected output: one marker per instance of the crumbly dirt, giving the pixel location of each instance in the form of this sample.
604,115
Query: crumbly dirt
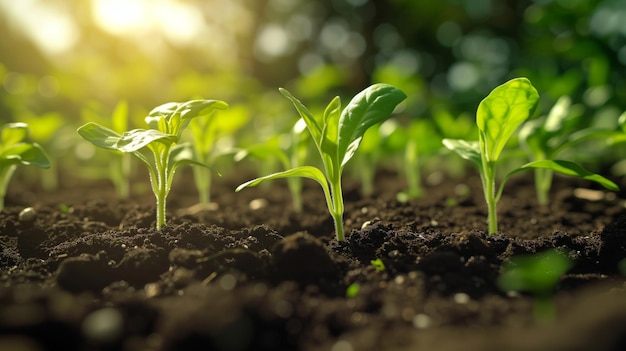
89,272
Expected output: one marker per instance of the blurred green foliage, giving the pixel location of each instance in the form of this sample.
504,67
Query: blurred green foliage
58,56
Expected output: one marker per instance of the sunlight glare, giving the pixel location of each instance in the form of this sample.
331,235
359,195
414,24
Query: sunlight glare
121,17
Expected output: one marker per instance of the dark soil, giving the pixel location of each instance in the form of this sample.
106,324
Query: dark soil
89,272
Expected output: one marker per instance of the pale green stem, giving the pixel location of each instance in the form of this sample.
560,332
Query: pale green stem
543,183
5,177
162,187
295,187
203,178
543,309
411,170
337,207
488,177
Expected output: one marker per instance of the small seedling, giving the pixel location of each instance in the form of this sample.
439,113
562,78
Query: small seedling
378,264
337,136
353,290
536,274
498,117
14,150
167,123
544,138
206,134
295,156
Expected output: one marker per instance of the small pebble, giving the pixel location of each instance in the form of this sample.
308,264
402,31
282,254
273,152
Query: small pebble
27,215
103,326
421,321
257,204
461,298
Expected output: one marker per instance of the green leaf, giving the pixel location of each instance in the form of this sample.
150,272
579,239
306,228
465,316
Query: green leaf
304,171
26,154
312,124
173,117
558,114
372,105
537,273
564,167
469,150
13,133
501,113
99,136
128,142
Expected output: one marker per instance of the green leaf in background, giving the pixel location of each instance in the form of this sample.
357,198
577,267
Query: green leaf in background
502,112
13,133
566,168
469,150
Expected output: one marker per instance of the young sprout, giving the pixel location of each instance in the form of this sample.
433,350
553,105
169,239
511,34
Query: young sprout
118,167
544,138
498,117
537,274
14,150
206,134
337,135
294,156
166,123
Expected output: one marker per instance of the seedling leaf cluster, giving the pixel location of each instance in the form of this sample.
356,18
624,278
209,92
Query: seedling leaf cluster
498,117
166,125
337,135
16,150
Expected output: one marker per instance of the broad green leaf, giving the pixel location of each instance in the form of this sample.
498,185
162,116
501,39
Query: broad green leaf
304,171
99,136
501,113
13,133
135,139
178,115
567,168
372,105
25,154
312,124
558,114
469,150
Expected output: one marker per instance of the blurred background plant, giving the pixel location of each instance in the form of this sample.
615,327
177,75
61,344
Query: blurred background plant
57,55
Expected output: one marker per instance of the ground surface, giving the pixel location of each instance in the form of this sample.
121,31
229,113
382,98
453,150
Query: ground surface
89,272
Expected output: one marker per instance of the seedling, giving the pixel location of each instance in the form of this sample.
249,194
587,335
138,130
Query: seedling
498,117
14,150
206,132
337,136
166,122
294,156
546,137
378,264
537,274
118,167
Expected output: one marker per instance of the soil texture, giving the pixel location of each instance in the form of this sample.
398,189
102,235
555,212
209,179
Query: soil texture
86,271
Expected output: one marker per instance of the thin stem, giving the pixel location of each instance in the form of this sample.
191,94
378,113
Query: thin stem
161,159
337,207
202,177
412,171
488,177
543,183
5,176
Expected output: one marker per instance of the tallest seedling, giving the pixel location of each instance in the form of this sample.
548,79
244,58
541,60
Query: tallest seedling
499,115
337,135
